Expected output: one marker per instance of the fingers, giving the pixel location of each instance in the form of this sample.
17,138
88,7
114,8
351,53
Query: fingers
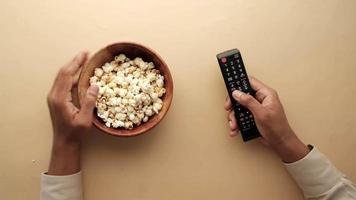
65,78
248,101
88,104
256,84
232,121
74,65
227,104
234,128
262,90
233,133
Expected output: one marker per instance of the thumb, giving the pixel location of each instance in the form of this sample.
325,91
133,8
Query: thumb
88,102
248,101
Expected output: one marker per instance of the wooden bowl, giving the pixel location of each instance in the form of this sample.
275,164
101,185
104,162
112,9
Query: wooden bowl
132,51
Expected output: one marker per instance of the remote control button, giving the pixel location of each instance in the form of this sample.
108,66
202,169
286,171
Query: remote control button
223,60
229,79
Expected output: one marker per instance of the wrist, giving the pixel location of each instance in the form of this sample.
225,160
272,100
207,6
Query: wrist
65,157
65,145
291,149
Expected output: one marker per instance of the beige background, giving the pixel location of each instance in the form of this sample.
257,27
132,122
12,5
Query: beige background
305,49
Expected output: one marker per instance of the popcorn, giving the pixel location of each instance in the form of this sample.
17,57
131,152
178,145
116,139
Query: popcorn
157,107
130,91
122,92
131,116
149,112
93,79
154,96
128,125
98,72
120,58
159,81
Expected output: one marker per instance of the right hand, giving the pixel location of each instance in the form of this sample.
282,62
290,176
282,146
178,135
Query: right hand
269,116
70,124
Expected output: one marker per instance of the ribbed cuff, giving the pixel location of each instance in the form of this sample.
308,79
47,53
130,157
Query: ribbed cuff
67,187
314,173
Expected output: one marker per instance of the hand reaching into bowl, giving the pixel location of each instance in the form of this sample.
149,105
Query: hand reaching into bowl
69,122
270,119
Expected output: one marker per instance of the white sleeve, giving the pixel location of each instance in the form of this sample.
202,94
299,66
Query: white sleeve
61,187
319,179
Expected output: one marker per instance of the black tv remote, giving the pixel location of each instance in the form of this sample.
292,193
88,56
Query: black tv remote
235,77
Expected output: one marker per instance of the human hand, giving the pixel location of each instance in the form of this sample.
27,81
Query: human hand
69,122
270,120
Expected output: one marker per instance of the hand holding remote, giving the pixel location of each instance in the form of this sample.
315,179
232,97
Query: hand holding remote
270,119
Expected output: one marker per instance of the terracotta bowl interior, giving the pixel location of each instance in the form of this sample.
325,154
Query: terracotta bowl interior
131,50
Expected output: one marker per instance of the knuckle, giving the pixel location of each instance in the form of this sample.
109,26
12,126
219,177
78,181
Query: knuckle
81,124
49,99
53,101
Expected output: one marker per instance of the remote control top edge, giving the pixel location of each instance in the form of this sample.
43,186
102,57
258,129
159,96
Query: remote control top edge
227,53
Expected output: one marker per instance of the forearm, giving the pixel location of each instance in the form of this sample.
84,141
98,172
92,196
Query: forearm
65,158
63,179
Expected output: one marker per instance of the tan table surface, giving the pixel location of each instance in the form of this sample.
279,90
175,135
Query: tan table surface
304,49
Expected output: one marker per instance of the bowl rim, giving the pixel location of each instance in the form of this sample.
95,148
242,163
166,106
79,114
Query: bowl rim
115,132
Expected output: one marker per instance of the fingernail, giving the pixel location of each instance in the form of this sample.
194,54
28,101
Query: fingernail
81,54
237,94
93,90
